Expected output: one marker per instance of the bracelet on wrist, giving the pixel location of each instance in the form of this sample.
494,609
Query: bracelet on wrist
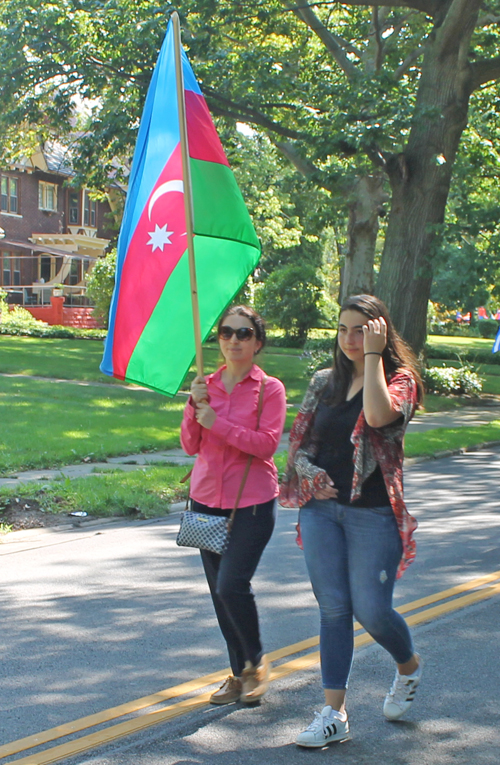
372,353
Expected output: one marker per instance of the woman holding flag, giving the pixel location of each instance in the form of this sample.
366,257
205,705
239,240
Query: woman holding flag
344,471
220,427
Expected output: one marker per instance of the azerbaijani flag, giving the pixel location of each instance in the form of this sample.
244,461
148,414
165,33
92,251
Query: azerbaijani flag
151,337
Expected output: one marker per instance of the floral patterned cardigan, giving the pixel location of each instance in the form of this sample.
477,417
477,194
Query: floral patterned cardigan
372,447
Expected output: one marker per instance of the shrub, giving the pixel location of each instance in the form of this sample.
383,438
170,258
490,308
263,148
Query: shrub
317,360
54,331
18,321
488,328
293,299
452,329
450,354
15,320
286,341
100,285
323,344
448,380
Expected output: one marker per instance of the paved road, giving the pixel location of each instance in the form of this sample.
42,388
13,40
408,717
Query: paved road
455,720
96,617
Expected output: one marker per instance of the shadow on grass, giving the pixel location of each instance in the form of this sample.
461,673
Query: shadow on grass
46,424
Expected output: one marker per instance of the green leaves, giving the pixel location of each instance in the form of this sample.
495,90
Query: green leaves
467,264
100,284
347,87
292,299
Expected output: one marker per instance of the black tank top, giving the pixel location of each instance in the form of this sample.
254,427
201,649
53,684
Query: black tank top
333,426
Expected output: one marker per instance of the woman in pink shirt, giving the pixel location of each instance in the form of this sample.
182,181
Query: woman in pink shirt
220,427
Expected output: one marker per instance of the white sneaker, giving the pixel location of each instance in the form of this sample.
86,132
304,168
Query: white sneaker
326,727
399,699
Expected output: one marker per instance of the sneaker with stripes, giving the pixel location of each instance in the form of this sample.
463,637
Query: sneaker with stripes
327,726
399,699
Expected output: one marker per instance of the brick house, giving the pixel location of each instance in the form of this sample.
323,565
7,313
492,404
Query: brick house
53,235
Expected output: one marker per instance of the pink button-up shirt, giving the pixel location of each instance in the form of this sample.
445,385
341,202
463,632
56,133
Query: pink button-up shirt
223,450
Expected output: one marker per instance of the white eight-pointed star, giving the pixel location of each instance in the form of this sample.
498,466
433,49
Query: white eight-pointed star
160,237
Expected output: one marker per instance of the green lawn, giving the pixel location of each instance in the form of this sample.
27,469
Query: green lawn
68,359
64,359
145,493
492,386
291,371
148,492
440,439
433,402
47,424
461,343
80,359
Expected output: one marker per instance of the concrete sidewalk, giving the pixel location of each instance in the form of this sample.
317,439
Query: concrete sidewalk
466,416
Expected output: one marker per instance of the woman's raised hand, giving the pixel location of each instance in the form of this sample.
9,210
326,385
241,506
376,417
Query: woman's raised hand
199,391
375,335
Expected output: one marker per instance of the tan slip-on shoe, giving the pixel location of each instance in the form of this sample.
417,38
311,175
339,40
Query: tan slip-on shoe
229,691
255,681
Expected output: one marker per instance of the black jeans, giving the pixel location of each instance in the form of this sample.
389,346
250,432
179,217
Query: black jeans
229,577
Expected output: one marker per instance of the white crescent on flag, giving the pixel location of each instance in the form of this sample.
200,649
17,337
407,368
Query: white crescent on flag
176,185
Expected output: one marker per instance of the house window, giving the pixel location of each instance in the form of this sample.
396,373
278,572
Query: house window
74,273
47,196
74,208
89,211
11,270
16,271
46,268
9,196
5,269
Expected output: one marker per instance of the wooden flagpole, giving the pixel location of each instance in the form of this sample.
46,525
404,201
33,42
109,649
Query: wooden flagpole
188,194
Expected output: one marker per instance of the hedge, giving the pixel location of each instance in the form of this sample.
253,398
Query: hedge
472,356
54,330
488,328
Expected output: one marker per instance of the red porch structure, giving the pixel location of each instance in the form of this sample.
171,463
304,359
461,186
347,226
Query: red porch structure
71,316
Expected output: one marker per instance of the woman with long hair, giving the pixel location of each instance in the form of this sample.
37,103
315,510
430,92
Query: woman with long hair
344,471
220,427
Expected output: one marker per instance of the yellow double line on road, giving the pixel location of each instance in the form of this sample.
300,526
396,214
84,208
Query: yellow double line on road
447,601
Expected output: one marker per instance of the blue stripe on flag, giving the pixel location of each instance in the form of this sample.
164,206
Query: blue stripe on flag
496,344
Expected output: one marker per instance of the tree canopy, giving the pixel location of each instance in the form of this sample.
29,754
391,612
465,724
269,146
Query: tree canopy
367,102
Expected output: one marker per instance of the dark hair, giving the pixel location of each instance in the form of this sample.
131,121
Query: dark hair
396,354
252,316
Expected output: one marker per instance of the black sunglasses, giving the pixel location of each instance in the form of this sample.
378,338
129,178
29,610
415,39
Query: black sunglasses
243,333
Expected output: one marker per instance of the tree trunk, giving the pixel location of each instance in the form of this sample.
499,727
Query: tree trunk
365,207
420,177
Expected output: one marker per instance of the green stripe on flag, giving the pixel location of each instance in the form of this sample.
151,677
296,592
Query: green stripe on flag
219,208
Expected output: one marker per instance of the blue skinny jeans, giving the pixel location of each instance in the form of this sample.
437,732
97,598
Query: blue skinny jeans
352,556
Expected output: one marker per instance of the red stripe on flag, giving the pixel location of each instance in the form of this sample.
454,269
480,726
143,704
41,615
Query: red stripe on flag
155,248
204,143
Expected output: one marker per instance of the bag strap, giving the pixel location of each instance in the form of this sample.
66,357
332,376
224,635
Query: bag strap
186,477
250,456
